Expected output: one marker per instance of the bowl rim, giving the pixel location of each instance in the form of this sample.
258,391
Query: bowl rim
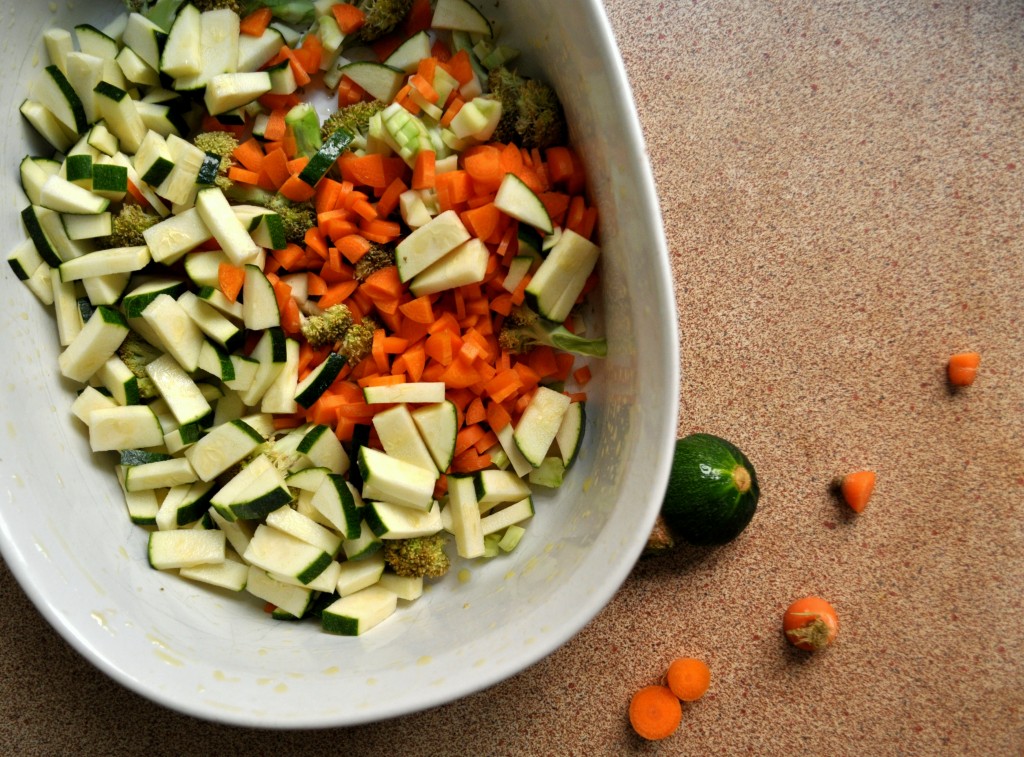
19,557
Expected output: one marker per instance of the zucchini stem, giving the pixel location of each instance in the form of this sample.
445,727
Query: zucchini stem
741,479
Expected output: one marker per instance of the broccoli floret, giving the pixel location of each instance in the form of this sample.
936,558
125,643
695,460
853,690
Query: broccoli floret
355,118
137,353
305,125
417,557
222,145
382,17
541,120
297,217
127,227
531,114
327,327
523,329
374,259
214,5
505,84
358,341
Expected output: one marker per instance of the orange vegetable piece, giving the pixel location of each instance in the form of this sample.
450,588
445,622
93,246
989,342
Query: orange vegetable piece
256,22
963,368
810,623
655,712
424,171
230,279
856,489
420,15
296,190
688,678
349,17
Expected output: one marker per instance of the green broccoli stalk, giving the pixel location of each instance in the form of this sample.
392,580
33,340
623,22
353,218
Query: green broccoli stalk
355,119
221,145
299,13
137,353
305,125
531,114
523,329
382,17
297,217
374,259
328,327
128,226
417,557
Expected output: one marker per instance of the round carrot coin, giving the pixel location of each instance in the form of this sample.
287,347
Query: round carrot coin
655,712
688,678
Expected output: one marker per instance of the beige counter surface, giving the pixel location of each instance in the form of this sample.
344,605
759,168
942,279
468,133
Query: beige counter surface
842,186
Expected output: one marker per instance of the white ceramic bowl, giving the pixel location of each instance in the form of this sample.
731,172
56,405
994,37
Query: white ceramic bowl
65,534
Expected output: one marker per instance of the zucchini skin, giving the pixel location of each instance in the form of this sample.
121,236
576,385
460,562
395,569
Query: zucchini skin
703,505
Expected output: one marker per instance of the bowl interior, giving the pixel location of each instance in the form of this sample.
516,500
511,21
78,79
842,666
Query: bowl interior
65,534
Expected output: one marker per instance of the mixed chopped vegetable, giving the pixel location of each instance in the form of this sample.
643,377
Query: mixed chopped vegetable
332,351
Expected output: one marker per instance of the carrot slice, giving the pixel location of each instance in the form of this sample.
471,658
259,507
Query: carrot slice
384,284
460,67
296,190
451,111
353,247
243,176
424,87
419,18
470,461
856,489
337,293
963,368
349,17
424,170
275,125
363,170
483,221
419,310
230,279
476,413
389,199
256,22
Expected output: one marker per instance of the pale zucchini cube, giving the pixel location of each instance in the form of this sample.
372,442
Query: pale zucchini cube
222,447
465,514
356,575
281,553
184,548
130,427
358,613
400,438
93,345
507,516
292,599
405,587
396,481
230,574
539,424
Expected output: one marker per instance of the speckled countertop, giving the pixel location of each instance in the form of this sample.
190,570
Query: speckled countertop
843,191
